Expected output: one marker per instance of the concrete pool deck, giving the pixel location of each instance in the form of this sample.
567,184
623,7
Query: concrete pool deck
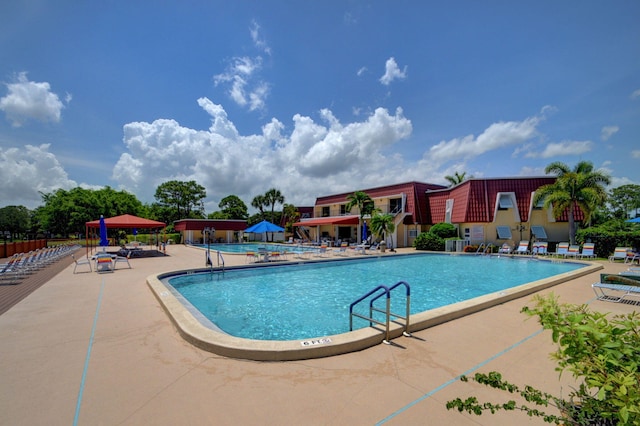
92,348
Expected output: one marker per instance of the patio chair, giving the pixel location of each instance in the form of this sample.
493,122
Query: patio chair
540,248
82,261
561,250
588,250
620,253
251,257
632,257
122,259
505,249
342,250
523,247
573,251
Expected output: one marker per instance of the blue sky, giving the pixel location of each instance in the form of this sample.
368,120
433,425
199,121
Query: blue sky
312,98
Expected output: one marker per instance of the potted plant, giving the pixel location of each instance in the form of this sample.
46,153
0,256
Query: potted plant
601,351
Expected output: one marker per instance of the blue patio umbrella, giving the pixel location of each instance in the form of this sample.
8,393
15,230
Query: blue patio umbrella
104,241
364,232
636,220
264,226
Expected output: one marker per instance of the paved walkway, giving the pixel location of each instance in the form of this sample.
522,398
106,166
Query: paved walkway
98,349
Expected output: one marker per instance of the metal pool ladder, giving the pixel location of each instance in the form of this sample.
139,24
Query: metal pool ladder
208,261
374,295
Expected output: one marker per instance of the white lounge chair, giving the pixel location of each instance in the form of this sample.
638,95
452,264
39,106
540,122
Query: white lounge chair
573,251
82,261
629,287
523,247
122,259
588,250
620,253
505,249
561,250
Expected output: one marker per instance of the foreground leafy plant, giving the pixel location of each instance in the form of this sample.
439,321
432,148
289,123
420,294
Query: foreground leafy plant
602,353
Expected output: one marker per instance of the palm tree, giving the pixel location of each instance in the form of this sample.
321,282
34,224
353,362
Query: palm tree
582,187
365,206
457,178
258,203
382,225
271,198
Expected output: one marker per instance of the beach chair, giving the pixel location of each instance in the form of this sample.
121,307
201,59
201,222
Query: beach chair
588,250
632,257
561,250
342,250
251,257
573,251
620,253
540,248
82,261
505,249
523,247
122,259
625,287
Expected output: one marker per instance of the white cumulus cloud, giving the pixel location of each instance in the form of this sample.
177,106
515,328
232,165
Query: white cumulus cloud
31,100
26,172
562,148
496,136
243,82
312,157
392,72
608,131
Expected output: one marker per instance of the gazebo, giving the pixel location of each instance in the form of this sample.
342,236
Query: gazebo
124,221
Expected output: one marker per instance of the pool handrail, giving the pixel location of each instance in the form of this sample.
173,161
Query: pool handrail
389,313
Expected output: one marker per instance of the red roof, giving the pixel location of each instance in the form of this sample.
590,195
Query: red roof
415,198
475,199
334,220
127,221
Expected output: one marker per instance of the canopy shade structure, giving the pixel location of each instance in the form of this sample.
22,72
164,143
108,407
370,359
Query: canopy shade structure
127,221
124,221
636,220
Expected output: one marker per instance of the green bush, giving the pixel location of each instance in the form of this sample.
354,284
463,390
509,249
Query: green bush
606,239
429,241
601,351
444,230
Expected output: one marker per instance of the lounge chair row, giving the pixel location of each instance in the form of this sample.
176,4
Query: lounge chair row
21,265
564,250
618,288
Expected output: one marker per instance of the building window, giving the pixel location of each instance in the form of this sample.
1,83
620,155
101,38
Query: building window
326,211
539,232
448,210
505,202
343,209
413,233
395,205
504,232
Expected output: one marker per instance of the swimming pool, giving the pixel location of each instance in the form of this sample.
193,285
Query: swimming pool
312,300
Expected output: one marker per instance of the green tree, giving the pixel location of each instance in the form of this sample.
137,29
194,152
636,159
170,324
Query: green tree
581,187
272,197
258,202
184,199
291,216
382,226
15,219
624,199
365,205
457,178
232,207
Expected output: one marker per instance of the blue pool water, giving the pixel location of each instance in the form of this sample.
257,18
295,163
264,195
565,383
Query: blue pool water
245,247
312,300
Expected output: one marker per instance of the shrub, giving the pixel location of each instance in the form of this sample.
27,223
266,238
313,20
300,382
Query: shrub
602,352
444,230
429,241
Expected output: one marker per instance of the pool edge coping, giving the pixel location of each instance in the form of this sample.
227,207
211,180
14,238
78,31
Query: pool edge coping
190,328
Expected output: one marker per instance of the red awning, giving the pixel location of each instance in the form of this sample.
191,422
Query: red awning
127,221
333,220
